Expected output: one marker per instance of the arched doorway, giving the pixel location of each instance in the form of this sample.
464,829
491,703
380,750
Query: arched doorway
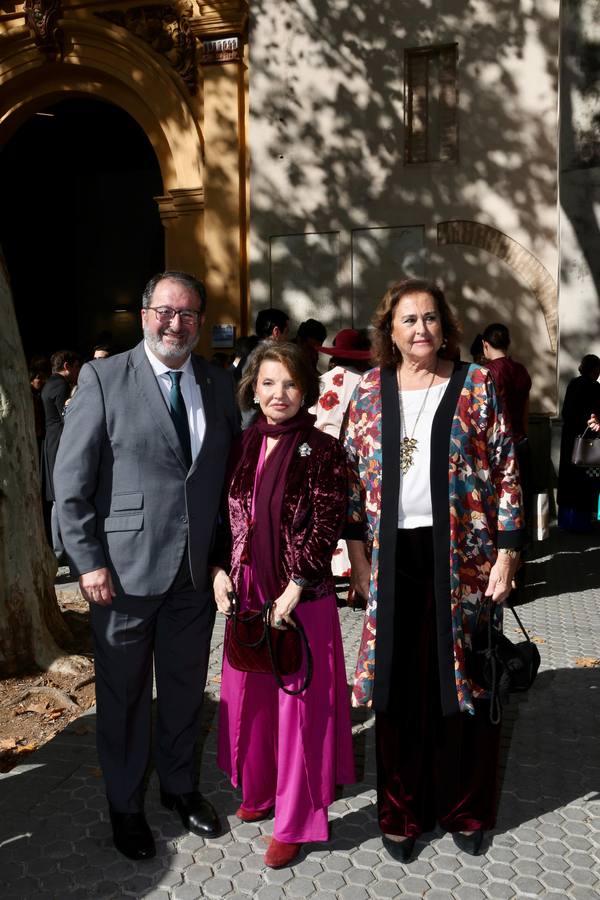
79,225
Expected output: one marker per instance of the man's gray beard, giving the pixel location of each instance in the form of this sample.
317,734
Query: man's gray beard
169,351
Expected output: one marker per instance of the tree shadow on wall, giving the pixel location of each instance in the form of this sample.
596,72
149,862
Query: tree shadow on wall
327,135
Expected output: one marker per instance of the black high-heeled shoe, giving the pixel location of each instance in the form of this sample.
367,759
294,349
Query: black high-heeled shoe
469,843
401,851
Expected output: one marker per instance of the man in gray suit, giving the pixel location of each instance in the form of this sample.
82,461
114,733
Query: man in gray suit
138,480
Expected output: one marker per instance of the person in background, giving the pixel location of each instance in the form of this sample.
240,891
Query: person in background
578,487
435,526
513,384
287,501
272,324
220,359
243,348
102,351
350,356
309,338
139,478
476,350
37,380
55,393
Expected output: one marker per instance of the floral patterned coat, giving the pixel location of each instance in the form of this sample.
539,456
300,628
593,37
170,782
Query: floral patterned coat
477,509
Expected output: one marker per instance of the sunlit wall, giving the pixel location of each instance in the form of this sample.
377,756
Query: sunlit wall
338,208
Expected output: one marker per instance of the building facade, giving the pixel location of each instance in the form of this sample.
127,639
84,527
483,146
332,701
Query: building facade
387,137
409,137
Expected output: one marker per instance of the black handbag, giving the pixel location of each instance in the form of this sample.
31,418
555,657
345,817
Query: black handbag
253,645
499,666
586,450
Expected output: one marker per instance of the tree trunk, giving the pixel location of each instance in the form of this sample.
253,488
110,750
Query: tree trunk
31,624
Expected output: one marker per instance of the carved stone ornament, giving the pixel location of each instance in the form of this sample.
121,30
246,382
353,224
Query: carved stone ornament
167,32
42,20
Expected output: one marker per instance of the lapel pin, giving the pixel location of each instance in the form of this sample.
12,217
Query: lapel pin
304,449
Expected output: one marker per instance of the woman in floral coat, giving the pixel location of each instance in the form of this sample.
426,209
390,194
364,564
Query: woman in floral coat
434,529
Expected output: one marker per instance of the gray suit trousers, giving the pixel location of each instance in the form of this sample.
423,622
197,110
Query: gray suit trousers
174,632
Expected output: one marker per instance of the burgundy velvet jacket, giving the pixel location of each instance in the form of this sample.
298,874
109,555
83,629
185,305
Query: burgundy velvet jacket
313,513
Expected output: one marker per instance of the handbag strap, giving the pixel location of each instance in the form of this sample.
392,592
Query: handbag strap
268,608
520,624
234,614
495,702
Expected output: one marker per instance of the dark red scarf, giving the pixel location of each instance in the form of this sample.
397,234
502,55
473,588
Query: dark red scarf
268,502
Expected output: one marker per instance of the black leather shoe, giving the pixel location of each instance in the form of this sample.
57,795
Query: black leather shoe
401,851
469,843
196,813
131,835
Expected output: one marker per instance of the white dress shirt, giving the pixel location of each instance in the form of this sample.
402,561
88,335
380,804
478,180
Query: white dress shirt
190,391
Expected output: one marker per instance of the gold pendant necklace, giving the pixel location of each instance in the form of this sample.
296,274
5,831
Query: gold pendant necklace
410,445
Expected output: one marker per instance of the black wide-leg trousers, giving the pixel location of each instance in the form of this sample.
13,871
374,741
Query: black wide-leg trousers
430,768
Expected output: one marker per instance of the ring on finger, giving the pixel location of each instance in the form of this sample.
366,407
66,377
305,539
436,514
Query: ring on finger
278,623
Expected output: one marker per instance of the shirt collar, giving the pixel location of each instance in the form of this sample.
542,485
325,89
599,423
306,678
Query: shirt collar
160,368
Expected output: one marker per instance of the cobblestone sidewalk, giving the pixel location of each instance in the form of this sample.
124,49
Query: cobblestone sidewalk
55,837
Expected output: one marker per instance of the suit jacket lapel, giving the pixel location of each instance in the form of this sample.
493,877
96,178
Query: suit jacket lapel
153,396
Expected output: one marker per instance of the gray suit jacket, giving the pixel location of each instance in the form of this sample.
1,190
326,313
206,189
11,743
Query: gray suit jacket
124,496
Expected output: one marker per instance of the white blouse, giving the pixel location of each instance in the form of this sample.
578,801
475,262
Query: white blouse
414,502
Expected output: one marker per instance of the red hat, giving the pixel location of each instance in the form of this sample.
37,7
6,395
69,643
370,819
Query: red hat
347,344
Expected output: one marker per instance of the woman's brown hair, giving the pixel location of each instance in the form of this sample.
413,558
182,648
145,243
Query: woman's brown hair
384,352
290,356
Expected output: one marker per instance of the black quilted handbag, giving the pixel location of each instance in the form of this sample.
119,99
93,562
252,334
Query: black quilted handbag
499,666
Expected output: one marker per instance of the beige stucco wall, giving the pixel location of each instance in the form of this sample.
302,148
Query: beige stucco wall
327,132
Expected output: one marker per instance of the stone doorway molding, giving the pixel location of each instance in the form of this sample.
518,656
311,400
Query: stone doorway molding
520,260
103,61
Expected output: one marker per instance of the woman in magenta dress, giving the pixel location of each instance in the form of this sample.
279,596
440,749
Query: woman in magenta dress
287,502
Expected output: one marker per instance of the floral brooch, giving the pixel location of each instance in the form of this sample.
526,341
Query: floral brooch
304,449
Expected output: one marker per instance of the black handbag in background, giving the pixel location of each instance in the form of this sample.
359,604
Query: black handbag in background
586,450
500,666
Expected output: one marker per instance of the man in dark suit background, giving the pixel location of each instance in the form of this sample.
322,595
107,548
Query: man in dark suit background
138,481
55,393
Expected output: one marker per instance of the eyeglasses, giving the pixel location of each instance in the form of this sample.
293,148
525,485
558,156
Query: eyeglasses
166,314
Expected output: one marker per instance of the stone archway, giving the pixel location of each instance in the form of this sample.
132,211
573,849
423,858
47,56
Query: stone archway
80,203
104,61
520,260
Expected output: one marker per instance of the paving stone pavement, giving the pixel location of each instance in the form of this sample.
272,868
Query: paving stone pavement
55,837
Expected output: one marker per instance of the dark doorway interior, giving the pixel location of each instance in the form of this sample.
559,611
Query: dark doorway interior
79,225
